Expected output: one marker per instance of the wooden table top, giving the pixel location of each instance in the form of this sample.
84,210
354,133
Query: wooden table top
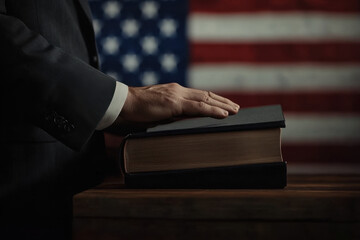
306,198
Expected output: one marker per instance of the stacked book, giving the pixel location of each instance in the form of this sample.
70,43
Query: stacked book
241,151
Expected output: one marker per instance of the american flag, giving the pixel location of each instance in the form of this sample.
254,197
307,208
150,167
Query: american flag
302,54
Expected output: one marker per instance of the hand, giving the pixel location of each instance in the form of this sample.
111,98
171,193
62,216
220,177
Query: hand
149,106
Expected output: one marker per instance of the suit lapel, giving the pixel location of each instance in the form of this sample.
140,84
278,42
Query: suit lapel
86,9
88,31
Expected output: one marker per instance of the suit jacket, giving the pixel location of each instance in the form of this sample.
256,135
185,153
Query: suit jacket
52,98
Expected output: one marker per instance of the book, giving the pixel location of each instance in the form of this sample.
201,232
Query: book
241,151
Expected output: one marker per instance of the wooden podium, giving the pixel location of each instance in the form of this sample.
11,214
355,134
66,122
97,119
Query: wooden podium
310,207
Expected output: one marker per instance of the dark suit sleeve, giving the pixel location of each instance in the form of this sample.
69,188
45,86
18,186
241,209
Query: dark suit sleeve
54,90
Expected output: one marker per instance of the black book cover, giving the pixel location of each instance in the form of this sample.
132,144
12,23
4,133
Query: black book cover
252,176
270,116
268,175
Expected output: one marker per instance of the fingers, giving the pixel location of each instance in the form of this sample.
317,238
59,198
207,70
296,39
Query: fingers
212,99
201,109
167,102
222,99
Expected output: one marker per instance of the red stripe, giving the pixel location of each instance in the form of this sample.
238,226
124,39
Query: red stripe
329,52
315,153
238,6
307,102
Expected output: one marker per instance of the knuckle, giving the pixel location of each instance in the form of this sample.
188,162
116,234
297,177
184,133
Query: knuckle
174,85
173,88
205,98
201,105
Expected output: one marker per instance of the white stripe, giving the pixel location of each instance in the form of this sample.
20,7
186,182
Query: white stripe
323,168
307,128
274,77
270,26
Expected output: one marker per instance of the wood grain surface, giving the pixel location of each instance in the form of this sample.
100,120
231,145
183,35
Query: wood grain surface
311,206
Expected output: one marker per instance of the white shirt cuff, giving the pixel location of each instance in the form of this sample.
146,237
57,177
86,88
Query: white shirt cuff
116,104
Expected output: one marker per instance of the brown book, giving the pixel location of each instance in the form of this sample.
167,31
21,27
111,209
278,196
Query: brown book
249,138
174,152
